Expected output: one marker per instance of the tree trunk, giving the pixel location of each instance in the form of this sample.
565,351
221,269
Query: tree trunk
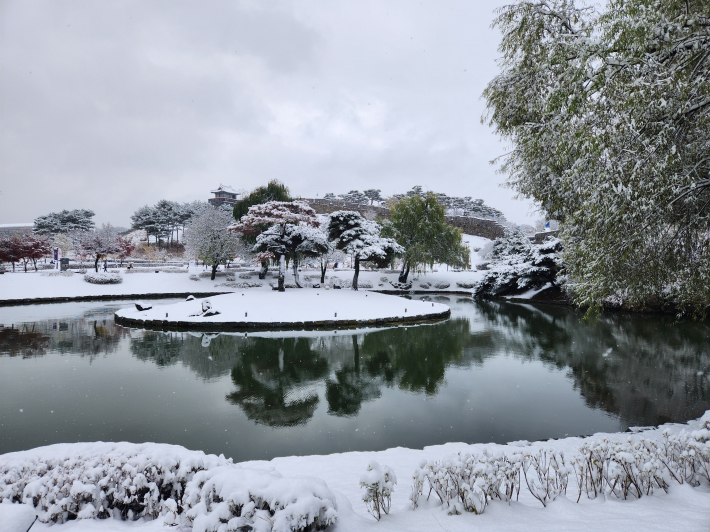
214,271
295,271
357,272
34,261
96,263
404,273
282,272
264,269
323,268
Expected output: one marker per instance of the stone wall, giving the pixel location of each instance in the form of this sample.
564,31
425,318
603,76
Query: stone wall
487,228
539,238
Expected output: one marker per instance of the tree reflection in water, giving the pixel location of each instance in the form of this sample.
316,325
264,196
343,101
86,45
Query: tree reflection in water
272,377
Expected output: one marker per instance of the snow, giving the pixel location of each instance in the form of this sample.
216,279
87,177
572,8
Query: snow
16,517
682,508
22,285
292,306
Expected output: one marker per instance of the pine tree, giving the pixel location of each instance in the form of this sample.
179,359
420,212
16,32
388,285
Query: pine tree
359,237
64,222
276,216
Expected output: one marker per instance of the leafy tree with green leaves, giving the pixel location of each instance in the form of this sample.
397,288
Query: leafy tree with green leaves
273,191
608,115
419,225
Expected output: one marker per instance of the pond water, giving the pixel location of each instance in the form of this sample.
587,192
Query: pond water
494,372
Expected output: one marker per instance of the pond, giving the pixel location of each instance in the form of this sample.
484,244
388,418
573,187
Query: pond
494,372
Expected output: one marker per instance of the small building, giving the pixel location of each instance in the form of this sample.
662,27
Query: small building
224,194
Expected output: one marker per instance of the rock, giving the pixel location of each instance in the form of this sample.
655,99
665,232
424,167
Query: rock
316,285
211,313
190,298
336,287
143,306
206,305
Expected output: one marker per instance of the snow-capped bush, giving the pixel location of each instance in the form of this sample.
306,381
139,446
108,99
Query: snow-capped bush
245,275
194,277
425,286
379,484
67,273
401,286
441,285
546,474
364,284
467,482
189,488
239,285
207,274
518,265
153,269
103,278
466,284
384,279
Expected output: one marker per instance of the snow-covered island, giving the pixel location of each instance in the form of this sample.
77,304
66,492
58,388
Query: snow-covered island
293,309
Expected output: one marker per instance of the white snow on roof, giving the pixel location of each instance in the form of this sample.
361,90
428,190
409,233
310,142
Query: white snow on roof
5,226
224,188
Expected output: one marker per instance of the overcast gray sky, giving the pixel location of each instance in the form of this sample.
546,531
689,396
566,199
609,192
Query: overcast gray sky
115,104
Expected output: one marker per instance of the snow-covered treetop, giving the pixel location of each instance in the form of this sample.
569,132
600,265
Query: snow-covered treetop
207,237
355,235
303,239
264,215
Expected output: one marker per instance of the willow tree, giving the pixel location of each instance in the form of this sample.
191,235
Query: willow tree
419,225
608,115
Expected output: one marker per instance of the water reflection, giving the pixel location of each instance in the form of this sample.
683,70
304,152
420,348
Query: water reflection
493,372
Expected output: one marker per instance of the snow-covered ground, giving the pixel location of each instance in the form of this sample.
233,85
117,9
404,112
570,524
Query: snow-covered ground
682,508
35,285
292,306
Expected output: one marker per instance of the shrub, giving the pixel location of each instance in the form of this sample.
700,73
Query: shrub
246,275
425,286
379,484
103,278
401,286
363,284
466,284
239,285
56,273
194,277
441,285
134,481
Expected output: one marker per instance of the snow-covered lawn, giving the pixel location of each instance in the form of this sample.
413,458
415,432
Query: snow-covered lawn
35,285
292,306
683,508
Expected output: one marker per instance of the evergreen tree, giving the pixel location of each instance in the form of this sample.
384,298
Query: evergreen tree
64,222
356,236
273,191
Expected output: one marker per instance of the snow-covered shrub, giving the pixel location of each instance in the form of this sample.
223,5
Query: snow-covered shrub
245,284
364,284
56,273
379,484
194,277
466,284
384,279
425,286
189,488
401,286
245,275
441,285
546,474
467,482
482,266
103,278
517,265
206,274
153,269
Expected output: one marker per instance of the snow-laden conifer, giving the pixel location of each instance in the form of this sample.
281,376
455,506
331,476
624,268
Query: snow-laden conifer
359,237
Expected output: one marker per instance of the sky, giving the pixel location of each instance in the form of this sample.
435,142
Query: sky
113,105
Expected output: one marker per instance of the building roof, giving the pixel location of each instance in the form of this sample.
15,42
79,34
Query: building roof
224,188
